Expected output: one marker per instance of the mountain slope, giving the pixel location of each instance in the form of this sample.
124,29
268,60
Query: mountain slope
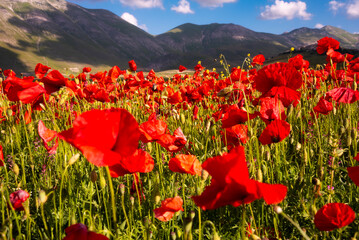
64,35
71,36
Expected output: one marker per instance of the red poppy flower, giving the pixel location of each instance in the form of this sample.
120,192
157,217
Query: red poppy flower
18,198
198,67
152,129
272,109
181,68
109,138
86,70
175,98
139,161
333,215
323,106
17,89
132,65
1,157
231,185
173,143
327,43
235,135
298,62
353,173
53,81
48,135
79,231
234,115
335,57
168,208
275,132
343,95
277,75
356,157
185,164
41,70
286,95
258,60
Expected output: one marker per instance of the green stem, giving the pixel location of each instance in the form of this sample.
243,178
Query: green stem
112,192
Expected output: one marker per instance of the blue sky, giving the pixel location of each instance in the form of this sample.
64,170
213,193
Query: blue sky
271,16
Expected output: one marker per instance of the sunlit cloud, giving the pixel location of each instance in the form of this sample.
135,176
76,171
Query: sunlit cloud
288,10
143,3
183,7
214,3
133,20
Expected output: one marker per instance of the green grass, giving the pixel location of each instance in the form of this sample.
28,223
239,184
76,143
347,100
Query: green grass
84,193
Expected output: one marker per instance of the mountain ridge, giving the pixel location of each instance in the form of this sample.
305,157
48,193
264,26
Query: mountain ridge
65,35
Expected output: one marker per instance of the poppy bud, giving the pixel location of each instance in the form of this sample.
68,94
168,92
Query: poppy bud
42,197
299,146
277,209
74,158
215,236
188,228
205,175
122,189
132,201
16,169
173,236
225,92
102,182
316,181
93,176
8,112
259,175
183,118
255,237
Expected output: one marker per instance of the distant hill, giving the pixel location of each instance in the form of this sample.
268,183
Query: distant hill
64,35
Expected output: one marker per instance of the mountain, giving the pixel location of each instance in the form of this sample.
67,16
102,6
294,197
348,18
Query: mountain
68,37
65,35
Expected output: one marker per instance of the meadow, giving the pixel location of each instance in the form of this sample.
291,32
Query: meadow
250,152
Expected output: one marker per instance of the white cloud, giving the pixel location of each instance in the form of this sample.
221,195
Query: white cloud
214,3
143,3
318,25
353,9
335,5
131,19
288,10
183,7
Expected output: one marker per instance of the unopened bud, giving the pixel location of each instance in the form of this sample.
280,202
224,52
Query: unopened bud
183,118
215,236
122,189
173,236
316,181
132,201
102,182
93,176
42,197
74,158
204,175
225,92
277,209
16,169
259,175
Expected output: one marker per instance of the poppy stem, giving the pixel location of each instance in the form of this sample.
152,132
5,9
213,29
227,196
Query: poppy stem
295,224
199,224
112,192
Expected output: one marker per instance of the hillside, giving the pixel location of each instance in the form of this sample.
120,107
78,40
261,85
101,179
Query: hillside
64,35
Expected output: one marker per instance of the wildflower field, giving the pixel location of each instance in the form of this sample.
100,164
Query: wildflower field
251,152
